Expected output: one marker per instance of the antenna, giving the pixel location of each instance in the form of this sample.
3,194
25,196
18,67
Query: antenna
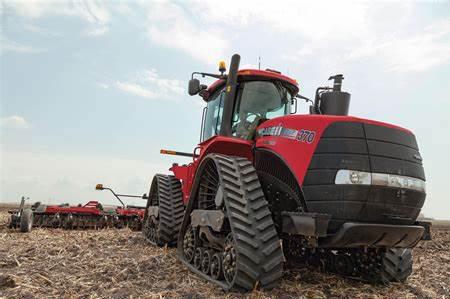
259,62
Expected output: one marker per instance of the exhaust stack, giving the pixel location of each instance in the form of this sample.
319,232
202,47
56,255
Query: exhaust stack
230,93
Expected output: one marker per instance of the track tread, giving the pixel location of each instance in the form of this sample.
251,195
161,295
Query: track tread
260,258
171,209
396,265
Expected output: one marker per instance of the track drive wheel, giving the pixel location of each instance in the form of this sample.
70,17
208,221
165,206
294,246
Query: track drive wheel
249,254
166,195
26,220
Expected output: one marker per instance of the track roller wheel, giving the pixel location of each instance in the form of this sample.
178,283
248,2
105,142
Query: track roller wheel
206,261
198,257
250,248
343,265
216,266
165,194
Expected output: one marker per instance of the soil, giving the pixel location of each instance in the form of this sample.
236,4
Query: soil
54,263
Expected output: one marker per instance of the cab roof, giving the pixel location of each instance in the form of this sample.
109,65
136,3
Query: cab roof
251,74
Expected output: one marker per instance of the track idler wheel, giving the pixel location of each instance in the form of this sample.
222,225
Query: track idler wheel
229,260
189,244
150,230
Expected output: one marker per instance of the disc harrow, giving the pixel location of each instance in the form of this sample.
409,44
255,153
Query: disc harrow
92,215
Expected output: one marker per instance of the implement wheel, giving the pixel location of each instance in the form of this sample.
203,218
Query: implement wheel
26,220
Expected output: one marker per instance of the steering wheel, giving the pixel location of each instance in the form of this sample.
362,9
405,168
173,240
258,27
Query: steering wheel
245,126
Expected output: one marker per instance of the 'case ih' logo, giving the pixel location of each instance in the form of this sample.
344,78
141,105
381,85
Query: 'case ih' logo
300,135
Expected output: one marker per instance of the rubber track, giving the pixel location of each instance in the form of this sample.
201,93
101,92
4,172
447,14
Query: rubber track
171,209
396,265
260,258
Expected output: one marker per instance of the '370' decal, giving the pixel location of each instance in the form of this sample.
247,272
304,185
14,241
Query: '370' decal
301,135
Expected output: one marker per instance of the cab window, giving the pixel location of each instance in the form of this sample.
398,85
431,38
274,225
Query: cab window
258,101
213,117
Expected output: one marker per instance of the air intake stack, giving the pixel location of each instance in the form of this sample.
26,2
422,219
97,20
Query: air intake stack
332,101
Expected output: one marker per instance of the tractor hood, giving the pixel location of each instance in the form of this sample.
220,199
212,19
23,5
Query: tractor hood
349,167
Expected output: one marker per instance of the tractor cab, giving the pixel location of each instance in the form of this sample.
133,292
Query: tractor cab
257,99
258,96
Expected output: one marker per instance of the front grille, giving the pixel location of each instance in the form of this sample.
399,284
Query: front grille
368,148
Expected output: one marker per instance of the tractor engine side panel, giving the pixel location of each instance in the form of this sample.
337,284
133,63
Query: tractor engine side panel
293,138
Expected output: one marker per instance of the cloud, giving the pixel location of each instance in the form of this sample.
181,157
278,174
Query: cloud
12,46
33,28
98,31
172,26
425,50
314,20
103,85
148,84
136,89
338,33
91,11
95,13
14,122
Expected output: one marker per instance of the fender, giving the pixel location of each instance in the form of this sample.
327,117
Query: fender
217,144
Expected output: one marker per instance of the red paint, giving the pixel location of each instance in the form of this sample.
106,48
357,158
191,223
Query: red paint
248,73
298,154
91,208
131,212
295,153
217,144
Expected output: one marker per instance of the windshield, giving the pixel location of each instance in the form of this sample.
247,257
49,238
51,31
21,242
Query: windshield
258,101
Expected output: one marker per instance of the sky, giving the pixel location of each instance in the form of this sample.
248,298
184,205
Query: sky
90,91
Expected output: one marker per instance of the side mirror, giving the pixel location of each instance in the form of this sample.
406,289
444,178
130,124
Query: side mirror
293,106
194,87
99,187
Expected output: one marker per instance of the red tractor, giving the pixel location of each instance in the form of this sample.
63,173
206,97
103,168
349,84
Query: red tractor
267,186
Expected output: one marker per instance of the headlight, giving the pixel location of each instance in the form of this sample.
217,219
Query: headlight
353,177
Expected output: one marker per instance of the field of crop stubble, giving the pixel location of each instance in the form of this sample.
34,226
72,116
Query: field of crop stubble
120,264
